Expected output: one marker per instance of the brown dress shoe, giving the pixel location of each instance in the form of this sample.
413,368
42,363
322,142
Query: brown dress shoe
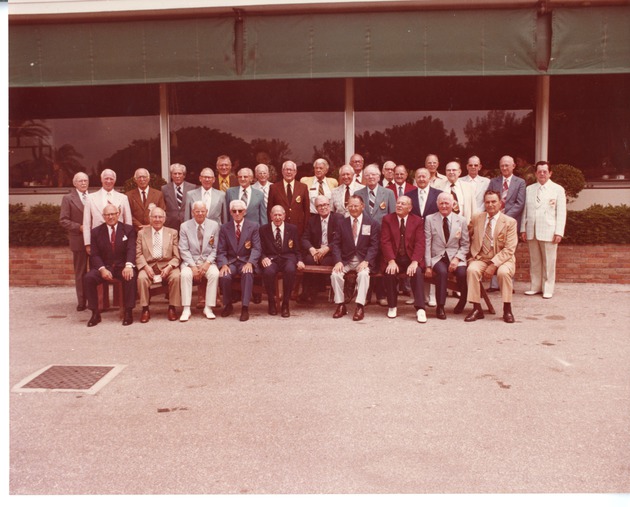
508,317
285,311
144,318
172,314
476,314
340,311
358,313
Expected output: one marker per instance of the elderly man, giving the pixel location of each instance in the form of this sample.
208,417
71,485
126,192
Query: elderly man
262,181
143,199
388,175
225,177
464,202
431,162
71,219
198,239
292,196
400,185
175,196
543,224
280,245
357,162
238,253
403,245
346,189
113,255
213,199
355,248
319,184
93,210
447,245
254,199
493,242
158,260
480,183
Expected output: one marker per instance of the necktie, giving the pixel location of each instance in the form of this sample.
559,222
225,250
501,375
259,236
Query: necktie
400,191
321,188
324,232
539,194
289,193
84,197
355,229
206,199
144,197
244,197
266,192
278,241
157,246
372,201
224,184
113,238
401,246
486,245
422,202
347,196
504,191
180,197
238,233
200,235
109,198
455,201
446,229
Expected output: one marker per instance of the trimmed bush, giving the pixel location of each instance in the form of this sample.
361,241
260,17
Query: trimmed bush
598,225
37,227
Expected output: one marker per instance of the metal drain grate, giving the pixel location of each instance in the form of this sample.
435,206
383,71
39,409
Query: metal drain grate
85,378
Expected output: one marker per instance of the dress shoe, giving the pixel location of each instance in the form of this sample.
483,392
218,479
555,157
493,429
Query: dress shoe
285,311
272,307
494,289
358,313
459,307
81,308
532,292
508,317
172,314
410,301
432,302
227,310
382,302
128,319
392,312
476,314
440,313
207,311
421,316
340,311
94,319
185,315
145,316
244,314
547,295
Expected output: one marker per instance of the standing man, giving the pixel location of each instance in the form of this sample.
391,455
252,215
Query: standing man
480,183
354,249
437,180
346,189
493,242
93,210
280,245
113,254
238,253
254,199
388,175
143,199
447,245
543,224
175,196
198,238
292,196
400,185
262,181
158,260
403,245
319,184
463,193
225,179
356,162
213,199
71,219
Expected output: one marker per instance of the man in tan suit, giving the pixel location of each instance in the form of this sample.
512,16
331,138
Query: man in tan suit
157,260
319,184
143,199
494,238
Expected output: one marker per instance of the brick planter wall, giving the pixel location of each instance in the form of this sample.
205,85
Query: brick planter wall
45,266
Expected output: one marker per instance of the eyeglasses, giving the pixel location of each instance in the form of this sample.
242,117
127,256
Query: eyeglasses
110,214
237,211
322,205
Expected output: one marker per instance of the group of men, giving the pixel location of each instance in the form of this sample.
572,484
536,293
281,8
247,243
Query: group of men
373,225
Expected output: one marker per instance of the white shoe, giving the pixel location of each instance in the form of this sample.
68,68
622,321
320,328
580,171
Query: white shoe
185,315
207,311
421,316
531,292
547,295
432,302
392,312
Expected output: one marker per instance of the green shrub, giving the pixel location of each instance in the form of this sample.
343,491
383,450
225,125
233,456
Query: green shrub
570,178
37,227
598,225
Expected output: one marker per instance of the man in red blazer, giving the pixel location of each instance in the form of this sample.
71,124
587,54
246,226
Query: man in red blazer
402,246
292,196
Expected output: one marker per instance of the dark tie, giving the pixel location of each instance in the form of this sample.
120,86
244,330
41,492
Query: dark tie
400,191
347,196
446,229
113,238
355,229
372,201
278,241
401,246
324,232
504,192
180,197
289,193
244,197
455,201
238,233
321,188
144,197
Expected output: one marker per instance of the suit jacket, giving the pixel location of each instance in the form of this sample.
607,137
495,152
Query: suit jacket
415,242
407,187
384,205
465,198
175,215
430,205
170,248
505,237
543,220
139,211
101,253
298,210
247,249
264,190
93,210
290,243
190,250
338,199
367,247
313,188
256,209
218,209
515,201
480,183
71,219
233,181
312,236
457,244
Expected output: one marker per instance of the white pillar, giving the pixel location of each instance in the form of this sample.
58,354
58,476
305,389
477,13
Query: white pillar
542,118
165,134
349,120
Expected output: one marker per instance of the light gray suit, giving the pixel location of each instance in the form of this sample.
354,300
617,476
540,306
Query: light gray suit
217,210
256,209
385,202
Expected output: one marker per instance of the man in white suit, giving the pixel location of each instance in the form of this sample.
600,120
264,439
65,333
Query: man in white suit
464,202
93,209
198,239
346,189
213,199
542,226
319,184
480,183
254,199
446,235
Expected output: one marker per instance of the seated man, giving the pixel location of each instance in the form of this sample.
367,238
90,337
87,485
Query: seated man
316,243
112,255
158,259
403,244
280,246
238,252
494,241
198,240
354,249
447,241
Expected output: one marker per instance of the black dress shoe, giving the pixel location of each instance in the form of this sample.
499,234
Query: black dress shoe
459,308
508,317
80,308
128,320
227,310
95,319
340,311
244,314
272,307
476,314
492,289
285,311
440,313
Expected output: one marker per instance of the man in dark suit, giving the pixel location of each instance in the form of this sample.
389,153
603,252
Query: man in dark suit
253,198
292,196
403,245
71,219
143,199
175,196
225,178
112,255
354,249
238,252
280,245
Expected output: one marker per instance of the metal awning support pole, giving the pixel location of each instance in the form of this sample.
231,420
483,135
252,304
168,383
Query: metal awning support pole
165,134
542,117
349,120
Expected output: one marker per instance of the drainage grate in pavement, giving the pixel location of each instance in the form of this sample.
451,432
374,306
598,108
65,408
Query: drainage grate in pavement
84,378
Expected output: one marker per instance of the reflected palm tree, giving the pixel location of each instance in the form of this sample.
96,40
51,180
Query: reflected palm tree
65,164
